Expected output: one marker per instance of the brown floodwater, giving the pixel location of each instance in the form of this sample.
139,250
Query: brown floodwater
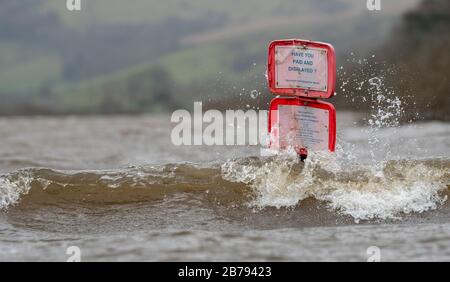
119,190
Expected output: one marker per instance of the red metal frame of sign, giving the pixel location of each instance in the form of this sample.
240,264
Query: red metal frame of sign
294,101
299,90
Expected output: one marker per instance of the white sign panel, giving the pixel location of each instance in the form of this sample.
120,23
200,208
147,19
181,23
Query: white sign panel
303,126
301,67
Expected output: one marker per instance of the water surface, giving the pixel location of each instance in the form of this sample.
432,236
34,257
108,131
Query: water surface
118,189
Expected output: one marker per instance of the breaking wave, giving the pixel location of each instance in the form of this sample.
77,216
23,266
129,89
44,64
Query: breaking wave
282,181
383,188
402,187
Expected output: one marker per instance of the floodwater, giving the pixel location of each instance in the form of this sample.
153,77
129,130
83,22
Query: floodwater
117,188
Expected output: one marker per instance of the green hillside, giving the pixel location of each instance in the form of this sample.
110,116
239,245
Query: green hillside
146,56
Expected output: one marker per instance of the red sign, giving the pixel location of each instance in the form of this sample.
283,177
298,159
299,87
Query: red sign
304,124
302,68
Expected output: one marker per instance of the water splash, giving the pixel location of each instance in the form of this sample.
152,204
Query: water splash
284,182
13,187
380,189
254,94
367,83
385,112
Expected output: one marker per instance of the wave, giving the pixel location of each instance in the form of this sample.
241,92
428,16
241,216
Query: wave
362,192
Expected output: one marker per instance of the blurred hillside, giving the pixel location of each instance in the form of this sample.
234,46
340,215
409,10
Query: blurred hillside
413,63
424,59
149,56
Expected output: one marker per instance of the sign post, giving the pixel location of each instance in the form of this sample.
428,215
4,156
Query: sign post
302,71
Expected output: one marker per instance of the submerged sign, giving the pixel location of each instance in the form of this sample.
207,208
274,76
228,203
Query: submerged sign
304,70
302,123
304,127
301,67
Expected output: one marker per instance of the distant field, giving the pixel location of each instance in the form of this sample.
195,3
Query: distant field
145,11
24,73
217,59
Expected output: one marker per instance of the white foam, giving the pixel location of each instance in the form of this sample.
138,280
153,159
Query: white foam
12,187
417,190
363,195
